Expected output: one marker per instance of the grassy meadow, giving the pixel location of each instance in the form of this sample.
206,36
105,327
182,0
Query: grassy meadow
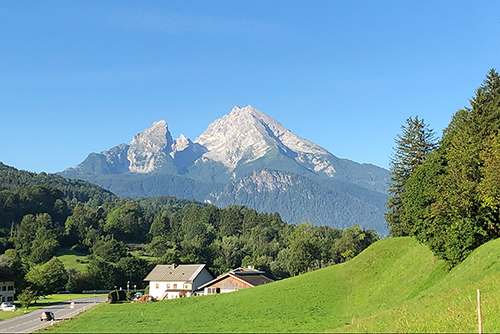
396,285
69,259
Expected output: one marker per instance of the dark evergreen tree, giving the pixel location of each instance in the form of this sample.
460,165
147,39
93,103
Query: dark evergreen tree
412,147
452,200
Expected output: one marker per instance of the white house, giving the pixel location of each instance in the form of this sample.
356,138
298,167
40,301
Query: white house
173,281
6,288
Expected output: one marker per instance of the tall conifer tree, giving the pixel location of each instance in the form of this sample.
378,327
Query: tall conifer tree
412,145
453,199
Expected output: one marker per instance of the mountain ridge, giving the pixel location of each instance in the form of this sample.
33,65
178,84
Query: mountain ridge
230,149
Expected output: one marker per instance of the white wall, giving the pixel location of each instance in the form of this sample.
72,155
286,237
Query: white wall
158,292
5,293
162,287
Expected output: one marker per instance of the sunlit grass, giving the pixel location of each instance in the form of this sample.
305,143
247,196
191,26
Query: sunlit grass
396,285
71,259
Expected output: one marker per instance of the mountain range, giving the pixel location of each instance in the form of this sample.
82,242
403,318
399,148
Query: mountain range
244,158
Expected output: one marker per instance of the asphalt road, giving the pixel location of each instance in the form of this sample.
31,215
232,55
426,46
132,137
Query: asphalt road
30,322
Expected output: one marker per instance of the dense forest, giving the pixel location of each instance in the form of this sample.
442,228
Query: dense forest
446,193
123,238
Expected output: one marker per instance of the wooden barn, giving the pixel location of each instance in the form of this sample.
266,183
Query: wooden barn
235,280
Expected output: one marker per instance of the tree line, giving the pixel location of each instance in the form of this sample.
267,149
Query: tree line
446,193
123,238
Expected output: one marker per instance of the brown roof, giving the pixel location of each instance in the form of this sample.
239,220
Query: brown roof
251,277
6,278
254,279
182,272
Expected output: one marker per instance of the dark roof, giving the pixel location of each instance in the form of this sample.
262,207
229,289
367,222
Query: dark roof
182,272
251,277
255,279
6,278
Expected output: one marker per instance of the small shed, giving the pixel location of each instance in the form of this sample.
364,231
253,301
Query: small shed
235,280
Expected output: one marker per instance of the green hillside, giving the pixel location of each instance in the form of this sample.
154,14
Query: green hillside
72,259
334,203
13,179
396,285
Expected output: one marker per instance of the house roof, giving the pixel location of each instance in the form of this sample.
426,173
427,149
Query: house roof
182,272
6,278
254,279
251,277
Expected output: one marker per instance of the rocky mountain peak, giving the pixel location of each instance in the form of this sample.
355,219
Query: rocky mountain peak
247,134
237,110
149,149
235,137
181,143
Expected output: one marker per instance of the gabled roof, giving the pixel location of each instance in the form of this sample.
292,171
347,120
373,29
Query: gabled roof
6,278
182,272
254,279
250,277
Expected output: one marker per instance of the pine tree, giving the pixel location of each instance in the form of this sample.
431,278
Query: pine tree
412,147
453,199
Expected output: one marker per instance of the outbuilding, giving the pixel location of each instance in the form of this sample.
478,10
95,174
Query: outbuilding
235,280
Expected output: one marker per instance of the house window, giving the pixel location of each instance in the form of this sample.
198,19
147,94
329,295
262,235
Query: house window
4,288
211,291
10,299
157,285
187,286
168,286
10,288
175,286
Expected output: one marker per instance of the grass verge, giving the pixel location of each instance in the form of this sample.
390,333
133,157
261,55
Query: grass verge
396,285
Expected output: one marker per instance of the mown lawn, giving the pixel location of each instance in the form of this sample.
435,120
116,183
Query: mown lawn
396,285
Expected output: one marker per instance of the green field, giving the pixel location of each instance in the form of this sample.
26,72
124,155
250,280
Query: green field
396,285
69,259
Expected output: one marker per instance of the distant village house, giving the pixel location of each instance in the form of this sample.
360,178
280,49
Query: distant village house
6,287
174,281
235,280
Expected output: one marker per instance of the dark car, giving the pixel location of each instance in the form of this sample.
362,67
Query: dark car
47,316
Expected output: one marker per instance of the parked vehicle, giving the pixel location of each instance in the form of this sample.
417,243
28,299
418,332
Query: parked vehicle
136,296
8,306
47,316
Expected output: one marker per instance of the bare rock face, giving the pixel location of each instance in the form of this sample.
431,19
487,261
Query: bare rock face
149,150
265,181
247,134
117,157
231,148
185,153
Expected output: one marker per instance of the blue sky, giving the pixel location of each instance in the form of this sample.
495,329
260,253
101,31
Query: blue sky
83,76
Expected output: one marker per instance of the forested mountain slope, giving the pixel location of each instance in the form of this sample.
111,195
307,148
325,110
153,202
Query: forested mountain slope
13,179
333,202
114,238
